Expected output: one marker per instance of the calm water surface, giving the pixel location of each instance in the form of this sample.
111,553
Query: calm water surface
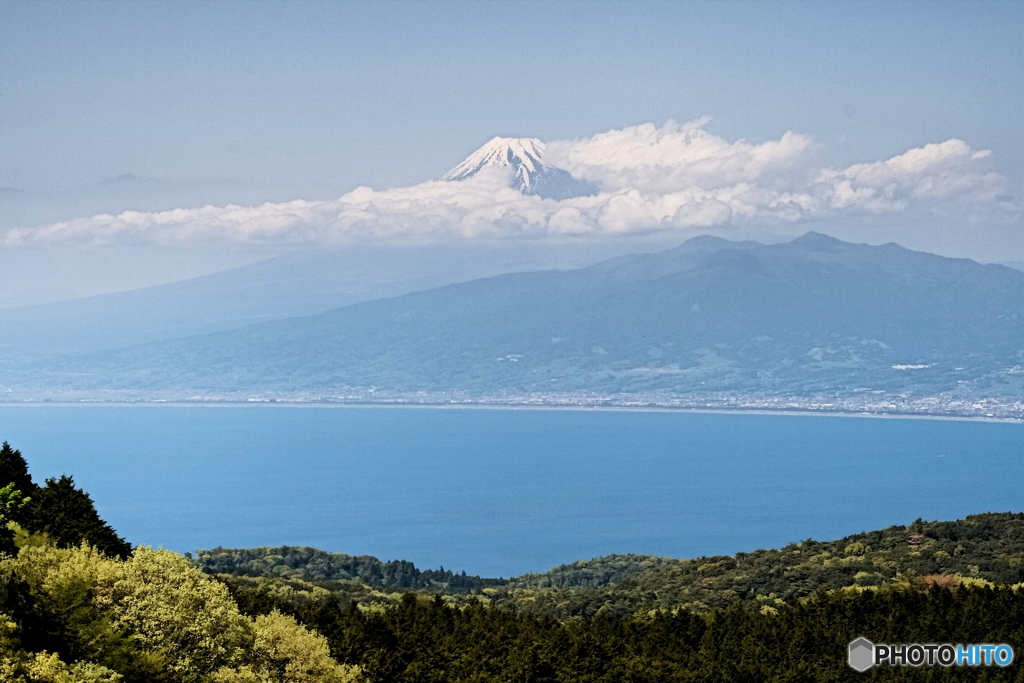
502,492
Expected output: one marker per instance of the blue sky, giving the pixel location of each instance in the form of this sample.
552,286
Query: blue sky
246,102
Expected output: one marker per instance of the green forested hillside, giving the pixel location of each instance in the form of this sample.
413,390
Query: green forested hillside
311,564
426,639
79,605
986,548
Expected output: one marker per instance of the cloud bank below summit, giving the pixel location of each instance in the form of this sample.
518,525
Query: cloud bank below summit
675,177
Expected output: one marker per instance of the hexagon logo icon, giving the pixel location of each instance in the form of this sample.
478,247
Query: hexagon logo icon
862,654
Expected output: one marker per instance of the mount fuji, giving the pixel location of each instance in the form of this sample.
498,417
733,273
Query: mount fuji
530,175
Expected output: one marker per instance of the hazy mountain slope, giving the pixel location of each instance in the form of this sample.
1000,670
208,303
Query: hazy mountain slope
302,283
810,316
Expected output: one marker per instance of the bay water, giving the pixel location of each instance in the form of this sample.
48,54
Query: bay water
500,492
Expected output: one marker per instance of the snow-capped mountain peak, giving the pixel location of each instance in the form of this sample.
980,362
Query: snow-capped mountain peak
523,155
529,173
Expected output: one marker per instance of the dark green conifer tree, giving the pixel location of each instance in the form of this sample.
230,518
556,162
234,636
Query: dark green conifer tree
14,470
68,515
16,486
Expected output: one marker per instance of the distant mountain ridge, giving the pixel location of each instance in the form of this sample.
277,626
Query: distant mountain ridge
711,322
301,283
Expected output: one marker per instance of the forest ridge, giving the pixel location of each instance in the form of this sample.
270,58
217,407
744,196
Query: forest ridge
981,550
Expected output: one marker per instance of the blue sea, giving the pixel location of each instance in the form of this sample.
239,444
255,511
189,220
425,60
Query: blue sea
500,492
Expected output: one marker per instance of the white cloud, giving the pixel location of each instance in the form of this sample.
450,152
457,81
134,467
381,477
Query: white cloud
933,172
673,177
675,157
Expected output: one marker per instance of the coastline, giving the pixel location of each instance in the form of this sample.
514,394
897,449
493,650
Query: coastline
790,411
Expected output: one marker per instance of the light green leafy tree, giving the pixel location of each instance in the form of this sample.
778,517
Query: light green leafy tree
11,501
17,666
48,668
294,654
172,607
285,652
155,606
